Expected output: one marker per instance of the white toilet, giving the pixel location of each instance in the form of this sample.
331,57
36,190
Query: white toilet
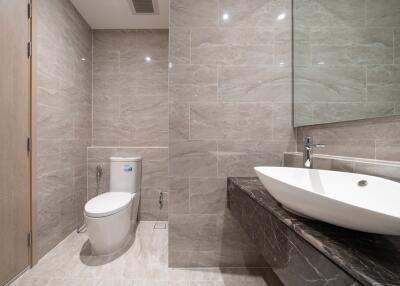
111,217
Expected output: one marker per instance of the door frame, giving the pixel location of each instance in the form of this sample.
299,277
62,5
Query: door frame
33,135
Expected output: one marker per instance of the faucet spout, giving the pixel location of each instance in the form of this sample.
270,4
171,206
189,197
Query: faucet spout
308,151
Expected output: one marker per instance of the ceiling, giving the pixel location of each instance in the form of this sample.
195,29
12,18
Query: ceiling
117,14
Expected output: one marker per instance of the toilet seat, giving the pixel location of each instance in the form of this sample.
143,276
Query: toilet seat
108,204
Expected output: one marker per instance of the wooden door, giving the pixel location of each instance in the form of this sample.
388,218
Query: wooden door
14,132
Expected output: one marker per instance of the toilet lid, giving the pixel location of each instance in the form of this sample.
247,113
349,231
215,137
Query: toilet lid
107,204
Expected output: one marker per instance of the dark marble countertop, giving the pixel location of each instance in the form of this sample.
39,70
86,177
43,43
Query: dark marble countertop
371,259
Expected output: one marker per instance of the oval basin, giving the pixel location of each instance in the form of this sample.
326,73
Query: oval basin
354,201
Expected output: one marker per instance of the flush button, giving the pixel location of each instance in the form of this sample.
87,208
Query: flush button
362,183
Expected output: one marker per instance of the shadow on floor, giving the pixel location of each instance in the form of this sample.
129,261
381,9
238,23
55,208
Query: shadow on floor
88,258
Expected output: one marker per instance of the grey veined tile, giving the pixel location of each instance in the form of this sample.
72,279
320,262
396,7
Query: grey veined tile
241,36
329,84
230,121
397,46
193,13
326,13
207,195
384,13
362,54
333,112
233,55
178,195
255,83
384,83
193,158
179,48
238,158
193,74
255,14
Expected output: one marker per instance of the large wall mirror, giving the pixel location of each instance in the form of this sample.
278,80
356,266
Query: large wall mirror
346,60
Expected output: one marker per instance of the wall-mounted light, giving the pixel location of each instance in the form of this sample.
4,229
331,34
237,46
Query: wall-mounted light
83,59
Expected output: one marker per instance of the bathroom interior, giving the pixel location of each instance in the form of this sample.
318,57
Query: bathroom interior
200,142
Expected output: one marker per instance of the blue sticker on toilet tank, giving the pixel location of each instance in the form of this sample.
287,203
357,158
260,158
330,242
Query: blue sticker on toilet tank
128,168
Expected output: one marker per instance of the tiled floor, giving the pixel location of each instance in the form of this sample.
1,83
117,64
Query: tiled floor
144,263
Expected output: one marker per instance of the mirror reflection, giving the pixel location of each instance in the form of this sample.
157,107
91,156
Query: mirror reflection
346,60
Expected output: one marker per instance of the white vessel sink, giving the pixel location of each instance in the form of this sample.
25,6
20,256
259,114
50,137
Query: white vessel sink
354,201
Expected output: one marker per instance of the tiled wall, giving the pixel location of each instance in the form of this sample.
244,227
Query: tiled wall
64,119
229,110
130,109
347,63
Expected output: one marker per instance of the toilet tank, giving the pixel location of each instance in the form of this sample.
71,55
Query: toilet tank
125,174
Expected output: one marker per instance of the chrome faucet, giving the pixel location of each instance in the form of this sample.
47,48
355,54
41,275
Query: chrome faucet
308,151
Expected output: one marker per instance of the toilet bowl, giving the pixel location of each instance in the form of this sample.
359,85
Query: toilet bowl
111,216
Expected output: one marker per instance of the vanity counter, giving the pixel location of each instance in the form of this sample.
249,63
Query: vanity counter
285,239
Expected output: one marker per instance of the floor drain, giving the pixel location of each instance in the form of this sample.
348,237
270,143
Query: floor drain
159,225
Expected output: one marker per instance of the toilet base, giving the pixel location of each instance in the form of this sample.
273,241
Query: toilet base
108,235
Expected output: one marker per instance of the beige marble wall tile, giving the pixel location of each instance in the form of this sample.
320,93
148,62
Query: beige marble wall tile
382,13
336,55
192,13
397,46
239,158
325,13
179,46
257,13
384,83
233,55
229,95
255,83
387,150
193,232
322,84
230,121
178,195
193,93
193,74
207,195
130,94
303,53
333,112
193,158
64,119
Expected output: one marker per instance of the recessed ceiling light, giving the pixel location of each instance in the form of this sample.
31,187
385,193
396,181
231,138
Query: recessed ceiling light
83,59
148,59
